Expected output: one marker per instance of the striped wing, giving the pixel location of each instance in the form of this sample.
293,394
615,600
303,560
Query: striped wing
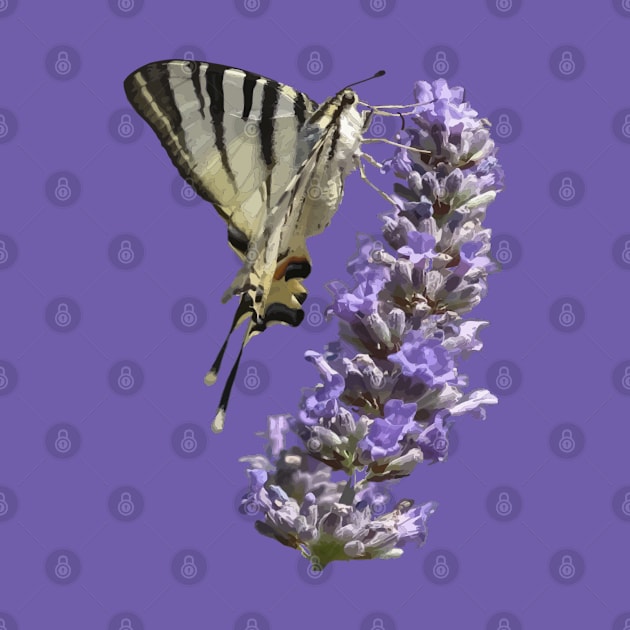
232,134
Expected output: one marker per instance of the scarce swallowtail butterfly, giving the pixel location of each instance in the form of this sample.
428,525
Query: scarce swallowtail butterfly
271,161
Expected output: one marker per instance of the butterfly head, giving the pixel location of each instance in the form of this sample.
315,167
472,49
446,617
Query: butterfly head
348,97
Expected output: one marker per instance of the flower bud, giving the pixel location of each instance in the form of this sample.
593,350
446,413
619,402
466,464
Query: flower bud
378,329
453,181
404,269
396,322
429,185
354,548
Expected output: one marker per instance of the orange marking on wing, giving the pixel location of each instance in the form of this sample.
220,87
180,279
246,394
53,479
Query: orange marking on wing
282,269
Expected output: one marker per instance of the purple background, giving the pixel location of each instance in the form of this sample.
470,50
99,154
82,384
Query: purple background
569,251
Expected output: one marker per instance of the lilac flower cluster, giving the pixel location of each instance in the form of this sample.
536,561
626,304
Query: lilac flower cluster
325,520
390,384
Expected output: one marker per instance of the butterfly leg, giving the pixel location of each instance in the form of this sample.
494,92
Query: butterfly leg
377,108
370,160
395,144
365,178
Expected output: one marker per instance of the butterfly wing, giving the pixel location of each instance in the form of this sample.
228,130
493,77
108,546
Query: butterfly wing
232,134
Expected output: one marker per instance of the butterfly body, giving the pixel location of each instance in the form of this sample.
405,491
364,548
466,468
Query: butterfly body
272,162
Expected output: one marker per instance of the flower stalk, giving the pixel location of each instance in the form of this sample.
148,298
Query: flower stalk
390,384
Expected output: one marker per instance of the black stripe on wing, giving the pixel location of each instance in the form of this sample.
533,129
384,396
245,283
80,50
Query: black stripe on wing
195,78
214,87
266,124
249,83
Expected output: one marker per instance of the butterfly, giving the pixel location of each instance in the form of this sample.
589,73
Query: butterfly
271,160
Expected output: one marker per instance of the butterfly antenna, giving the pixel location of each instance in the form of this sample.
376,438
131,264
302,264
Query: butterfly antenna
243,308
380,73
219,418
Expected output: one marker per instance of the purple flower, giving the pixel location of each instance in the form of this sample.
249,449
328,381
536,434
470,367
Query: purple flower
418,249
385,433
363,298
424,359
323,401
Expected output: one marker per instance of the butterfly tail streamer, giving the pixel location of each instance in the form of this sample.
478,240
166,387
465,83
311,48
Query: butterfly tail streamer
219,418
243,310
